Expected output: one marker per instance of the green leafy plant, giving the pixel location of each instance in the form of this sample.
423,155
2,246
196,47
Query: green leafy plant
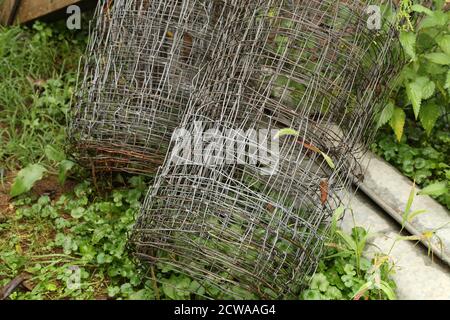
37,77
26,178
59,157
425,159
423,88
345,273
89,234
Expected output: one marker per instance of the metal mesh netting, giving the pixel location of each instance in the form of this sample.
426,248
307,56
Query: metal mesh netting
138,72
239,209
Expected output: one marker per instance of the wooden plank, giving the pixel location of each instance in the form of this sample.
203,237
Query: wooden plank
34,9
6,11
30,10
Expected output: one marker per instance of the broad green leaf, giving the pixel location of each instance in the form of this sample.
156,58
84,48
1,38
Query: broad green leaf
398,122
428,87
64,167
286,132
420,89
408,41
319,282
414,92
386,115
437,18
77,212
438,58
435,189
428,116
26,178
169,290
53,154
421,9
444,43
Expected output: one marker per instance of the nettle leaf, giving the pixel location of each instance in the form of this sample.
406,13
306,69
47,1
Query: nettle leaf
428,116
414,93
435,19
428,87
420,89
438,58
421,9
386,115
444,43
398,122
26,178
408,41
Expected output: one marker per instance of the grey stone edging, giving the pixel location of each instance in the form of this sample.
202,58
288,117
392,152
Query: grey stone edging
390,190
417,275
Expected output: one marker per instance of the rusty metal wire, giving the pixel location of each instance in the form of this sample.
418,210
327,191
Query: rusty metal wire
222,219
138,71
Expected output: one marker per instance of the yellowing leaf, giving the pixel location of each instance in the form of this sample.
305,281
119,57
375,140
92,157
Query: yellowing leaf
328,160
398,122
292,132
286,132
428,235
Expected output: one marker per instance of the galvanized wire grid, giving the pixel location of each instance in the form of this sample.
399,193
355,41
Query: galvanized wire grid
313,66
138,72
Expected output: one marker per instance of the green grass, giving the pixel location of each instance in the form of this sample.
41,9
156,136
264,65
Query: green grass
37,78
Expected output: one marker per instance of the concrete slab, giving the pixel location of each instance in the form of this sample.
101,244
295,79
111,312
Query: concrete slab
418,276
386,186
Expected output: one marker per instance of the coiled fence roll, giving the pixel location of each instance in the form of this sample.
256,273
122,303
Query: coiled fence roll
138,75
271,134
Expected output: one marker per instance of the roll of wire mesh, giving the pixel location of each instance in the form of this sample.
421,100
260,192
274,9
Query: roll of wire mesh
138,73
271,134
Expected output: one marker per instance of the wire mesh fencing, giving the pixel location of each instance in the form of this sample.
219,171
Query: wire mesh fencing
270,135
138,74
